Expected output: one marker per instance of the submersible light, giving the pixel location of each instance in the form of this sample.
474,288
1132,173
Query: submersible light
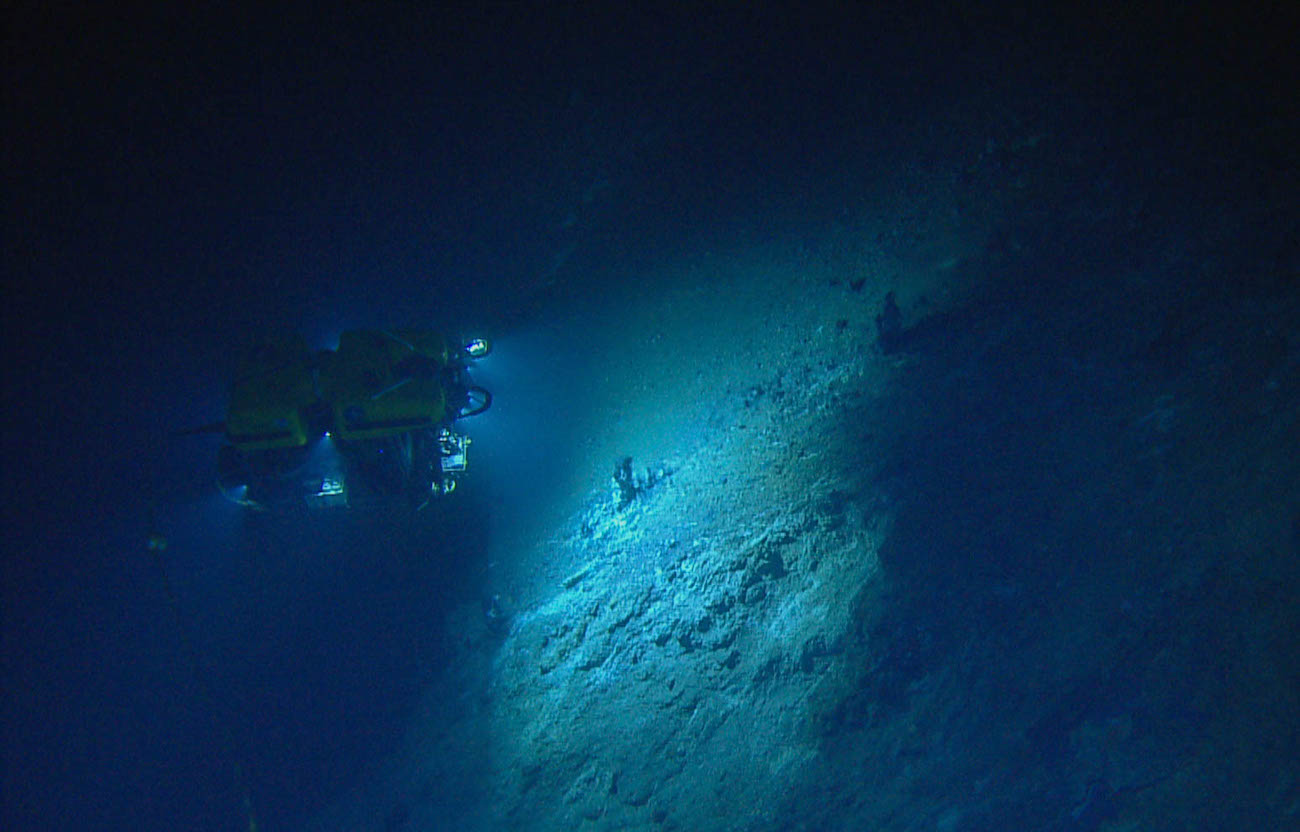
478,347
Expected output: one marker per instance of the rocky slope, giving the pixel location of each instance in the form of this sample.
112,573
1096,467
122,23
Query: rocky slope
1027,567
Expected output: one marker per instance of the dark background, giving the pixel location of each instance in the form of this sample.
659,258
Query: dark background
178,182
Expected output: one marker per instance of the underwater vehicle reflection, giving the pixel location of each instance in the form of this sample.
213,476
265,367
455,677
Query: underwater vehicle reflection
371,422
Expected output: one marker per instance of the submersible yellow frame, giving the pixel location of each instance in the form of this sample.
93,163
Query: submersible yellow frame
376,385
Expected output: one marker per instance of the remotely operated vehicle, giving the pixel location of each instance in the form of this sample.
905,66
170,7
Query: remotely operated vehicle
370,423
